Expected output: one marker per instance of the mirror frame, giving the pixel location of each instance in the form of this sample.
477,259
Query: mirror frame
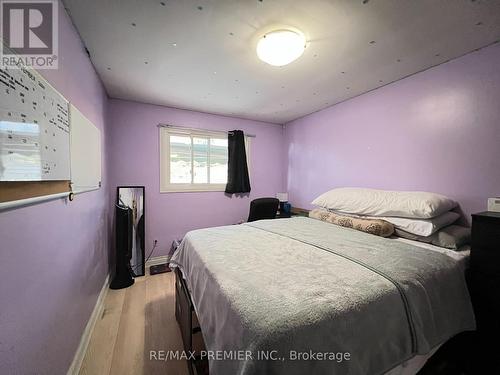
143,240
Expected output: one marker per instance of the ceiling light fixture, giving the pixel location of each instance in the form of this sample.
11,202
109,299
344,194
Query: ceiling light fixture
281,47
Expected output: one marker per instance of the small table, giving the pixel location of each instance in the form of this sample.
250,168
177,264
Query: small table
294,212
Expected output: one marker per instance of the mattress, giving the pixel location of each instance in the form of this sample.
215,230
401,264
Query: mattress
461,255
290,283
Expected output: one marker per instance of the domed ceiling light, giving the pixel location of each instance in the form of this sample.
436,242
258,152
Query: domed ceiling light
281,47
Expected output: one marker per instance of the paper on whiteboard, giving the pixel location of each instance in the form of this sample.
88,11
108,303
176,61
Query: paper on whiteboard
34,129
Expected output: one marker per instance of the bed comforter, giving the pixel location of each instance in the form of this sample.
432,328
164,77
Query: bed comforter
300,285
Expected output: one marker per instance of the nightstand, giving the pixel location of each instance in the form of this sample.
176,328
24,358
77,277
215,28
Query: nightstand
300,211
283,215
484,285
294,212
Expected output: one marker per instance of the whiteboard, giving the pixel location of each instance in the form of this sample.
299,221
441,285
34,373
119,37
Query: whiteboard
34,128
85,152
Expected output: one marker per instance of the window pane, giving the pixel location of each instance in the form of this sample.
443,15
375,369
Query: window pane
218,160
180,159
200,160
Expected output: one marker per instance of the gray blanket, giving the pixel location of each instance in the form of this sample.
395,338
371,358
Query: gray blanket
300,285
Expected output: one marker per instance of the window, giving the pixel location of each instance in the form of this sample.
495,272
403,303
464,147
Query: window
193,160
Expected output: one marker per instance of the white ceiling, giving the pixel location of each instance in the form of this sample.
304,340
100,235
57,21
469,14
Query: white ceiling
200,55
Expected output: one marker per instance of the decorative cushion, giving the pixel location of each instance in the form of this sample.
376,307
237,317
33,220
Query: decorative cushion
377,227
372,202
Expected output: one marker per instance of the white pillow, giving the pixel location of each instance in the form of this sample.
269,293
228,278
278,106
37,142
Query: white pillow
371,202
419,227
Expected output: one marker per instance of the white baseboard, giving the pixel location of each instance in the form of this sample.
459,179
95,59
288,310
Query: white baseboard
157,260
74,369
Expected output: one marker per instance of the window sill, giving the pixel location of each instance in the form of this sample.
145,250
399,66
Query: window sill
193,189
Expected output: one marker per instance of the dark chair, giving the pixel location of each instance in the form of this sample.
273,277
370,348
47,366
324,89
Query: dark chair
263,208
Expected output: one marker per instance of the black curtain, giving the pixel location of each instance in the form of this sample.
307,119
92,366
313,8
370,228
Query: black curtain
237,169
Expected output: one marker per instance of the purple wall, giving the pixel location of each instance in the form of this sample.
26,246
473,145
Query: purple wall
134,157
438,130
54,255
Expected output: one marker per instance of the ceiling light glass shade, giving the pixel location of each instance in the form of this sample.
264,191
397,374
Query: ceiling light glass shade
281,47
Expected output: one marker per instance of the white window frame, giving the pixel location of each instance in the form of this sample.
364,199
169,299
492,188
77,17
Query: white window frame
165,185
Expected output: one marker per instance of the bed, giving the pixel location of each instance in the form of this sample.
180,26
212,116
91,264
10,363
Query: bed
296,287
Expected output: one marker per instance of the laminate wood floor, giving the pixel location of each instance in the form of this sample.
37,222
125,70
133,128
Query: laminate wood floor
135,321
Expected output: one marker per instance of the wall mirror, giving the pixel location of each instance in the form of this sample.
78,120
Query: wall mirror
133,198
